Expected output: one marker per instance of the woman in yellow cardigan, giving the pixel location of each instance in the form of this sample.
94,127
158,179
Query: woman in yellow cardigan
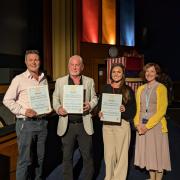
152,146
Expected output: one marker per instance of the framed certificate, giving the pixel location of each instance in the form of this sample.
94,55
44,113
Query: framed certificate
110,107
39,99
73,98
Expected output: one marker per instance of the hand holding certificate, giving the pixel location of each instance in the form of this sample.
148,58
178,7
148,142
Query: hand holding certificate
110,107
73,98
39,99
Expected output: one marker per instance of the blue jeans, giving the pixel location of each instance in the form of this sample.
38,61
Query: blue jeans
30,132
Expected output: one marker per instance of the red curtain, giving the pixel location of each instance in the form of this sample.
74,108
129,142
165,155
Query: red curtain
90,21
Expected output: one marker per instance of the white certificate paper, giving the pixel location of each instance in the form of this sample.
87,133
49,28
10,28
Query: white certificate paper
39,99
73,99
110,107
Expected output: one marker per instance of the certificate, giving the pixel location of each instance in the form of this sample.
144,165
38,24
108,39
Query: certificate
110,107
39,99
73,98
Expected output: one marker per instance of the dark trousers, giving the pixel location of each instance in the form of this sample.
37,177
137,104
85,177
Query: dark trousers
76,132
28,134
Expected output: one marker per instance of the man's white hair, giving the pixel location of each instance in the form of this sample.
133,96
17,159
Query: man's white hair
76,57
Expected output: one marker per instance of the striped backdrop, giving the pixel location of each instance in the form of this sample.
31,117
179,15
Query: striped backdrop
110,62
134,83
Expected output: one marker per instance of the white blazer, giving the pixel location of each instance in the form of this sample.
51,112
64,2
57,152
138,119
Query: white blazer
90,96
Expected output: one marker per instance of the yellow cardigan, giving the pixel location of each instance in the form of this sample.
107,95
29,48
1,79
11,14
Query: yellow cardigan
162,103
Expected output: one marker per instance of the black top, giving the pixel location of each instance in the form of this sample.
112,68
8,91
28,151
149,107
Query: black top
130,106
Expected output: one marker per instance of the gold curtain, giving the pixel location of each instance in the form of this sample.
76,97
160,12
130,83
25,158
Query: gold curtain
63,35
109,22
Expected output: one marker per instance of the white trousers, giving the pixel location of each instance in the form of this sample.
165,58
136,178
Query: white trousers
116,145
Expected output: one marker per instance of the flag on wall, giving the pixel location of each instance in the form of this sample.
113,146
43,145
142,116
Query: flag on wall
110,62
134,83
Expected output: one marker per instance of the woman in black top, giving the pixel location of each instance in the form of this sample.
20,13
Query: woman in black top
116,135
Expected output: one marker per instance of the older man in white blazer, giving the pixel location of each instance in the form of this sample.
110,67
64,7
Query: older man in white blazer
76,127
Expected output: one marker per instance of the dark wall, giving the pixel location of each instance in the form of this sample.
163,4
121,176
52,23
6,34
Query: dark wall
21,29
14,25
157,31
158,34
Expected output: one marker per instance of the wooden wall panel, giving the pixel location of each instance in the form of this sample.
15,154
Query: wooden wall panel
8,148
94,57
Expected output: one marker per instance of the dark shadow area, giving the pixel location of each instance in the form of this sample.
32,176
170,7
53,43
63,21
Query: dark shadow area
4,167
53,151
174,142
77,169
98,149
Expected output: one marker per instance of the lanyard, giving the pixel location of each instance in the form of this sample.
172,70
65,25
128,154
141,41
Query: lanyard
148,95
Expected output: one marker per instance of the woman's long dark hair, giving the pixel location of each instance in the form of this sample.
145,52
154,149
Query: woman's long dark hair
123,88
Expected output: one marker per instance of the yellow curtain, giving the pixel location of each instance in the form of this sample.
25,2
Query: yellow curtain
109,21
63,43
